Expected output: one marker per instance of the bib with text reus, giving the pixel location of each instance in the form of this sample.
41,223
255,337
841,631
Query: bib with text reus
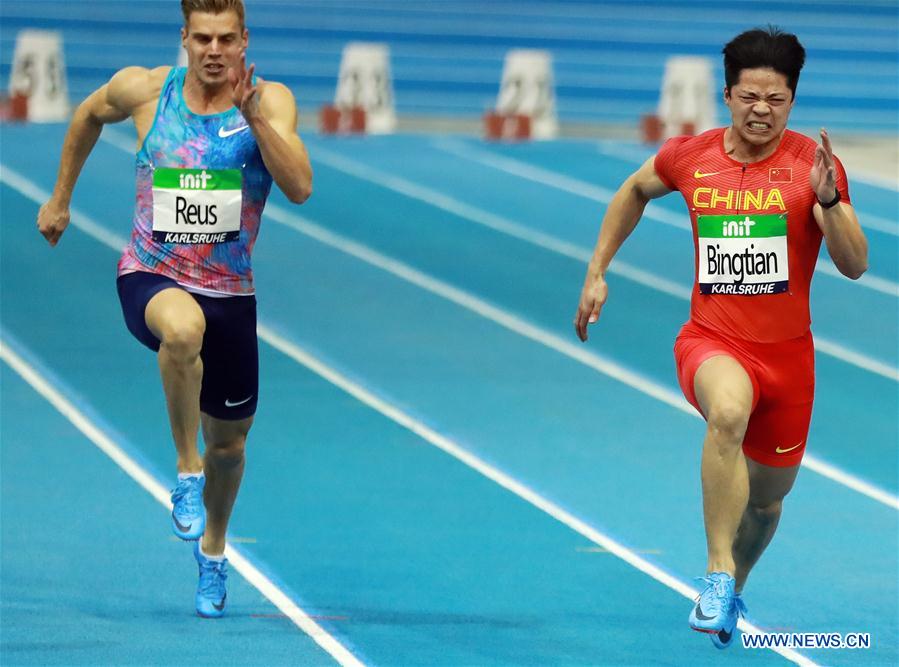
196,205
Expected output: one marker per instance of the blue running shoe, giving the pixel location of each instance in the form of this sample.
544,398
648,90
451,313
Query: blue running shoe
211,593
188,512
715,605
725,636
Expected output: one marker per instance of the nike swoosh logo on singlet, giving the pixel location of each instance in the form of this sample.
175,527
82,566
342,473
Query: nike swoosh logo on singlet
788,449
224,134
699,174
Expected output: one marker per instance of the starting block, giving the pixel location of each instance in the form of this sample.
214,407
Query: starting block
686,105
14,108
499,126
364,91
652,129
526,103
336,120
39,76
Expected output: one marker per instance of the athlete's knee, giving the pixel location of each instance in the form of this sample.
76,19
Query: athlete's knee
183,340
729,420
765,512
227,453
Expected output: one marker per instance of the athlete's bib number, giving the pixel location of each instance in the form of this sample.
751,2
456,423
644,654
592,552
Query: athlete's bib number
196,205
743,254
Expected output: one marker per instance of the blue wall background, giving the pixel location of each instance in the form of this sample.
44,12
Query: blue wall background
447,55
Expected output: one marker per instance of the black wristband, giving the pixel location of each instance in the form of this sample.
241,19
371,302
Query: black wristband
833,202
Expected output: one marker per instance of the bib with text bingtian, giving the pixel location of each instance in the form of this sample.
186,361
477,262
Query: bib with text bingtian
743,254
196,205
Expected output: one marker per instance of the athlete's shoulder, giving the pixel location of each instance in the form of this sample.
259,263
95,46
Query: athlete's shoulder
136,76
132,86
705,142
274,92
680,155
276,101
799,146
685,146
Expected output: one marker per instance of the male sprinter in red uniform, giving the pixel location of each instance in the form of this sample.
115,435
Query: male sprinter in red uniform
761,198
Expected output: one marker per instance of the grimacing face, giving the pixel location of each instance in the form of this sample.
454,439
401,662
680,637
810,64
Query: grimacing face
760,104
213,43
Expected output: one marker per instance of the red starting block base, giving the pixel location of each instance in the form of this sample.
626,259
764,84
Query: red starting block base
333,120
652,129
14,108
499,126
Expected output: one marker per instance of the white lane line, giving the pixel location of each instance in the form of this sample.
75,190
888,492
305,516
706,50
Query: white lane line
470,302
40,196
875,283
857,359
154,487
516,230
503,318
494,474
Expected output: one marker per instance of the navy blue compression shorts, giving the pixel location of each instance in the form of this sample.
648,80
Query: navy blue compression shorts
230,351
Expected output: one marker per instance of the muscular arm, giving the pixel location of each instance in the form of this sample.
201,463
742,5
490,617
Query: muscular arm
844,237
113,102
283,152
846,242
621,218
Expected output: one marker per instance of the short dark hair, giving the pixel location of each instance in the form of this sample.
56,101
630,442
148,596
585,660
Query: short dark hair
764,47
188,7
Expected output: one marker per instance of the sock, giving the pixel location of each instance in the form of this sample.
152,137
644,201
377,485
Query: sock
217,559
185,475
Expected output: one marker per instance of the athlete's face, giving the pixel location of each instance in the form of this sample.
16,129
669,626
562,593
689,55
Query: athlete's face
214,43
760,103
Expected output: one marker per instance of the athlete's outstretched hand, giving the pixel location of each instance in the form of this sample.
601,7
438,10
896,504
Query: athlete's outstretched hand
823,174
593,296
52,220
244,93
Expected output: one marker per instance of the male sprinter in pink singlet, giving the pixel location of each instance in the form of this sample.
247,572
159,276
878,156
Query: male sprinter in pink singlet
761,197
211,139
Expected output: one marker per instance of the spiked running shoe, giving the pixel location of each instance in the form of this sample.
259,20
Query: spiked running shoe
715,605
188,512
725,636
211,593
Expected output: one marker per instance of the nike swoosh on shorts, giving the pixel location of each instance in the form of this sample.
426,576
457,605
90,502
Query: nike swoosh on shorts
229,404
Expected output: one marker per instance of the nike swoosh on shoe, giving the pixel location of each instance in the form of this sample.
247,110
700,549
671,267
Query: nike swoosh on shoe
701,616
180,525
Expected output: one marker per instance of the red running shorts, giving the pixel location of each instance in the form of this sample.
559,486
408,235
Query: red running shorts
783,385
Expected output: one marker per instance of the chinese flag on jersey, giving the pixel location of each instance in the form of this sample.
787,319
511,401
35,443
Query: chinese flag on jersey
780,175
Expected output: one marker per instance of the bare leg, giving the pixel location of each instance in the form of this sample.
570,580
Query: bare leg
768,486
178,322
225,445
724,392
